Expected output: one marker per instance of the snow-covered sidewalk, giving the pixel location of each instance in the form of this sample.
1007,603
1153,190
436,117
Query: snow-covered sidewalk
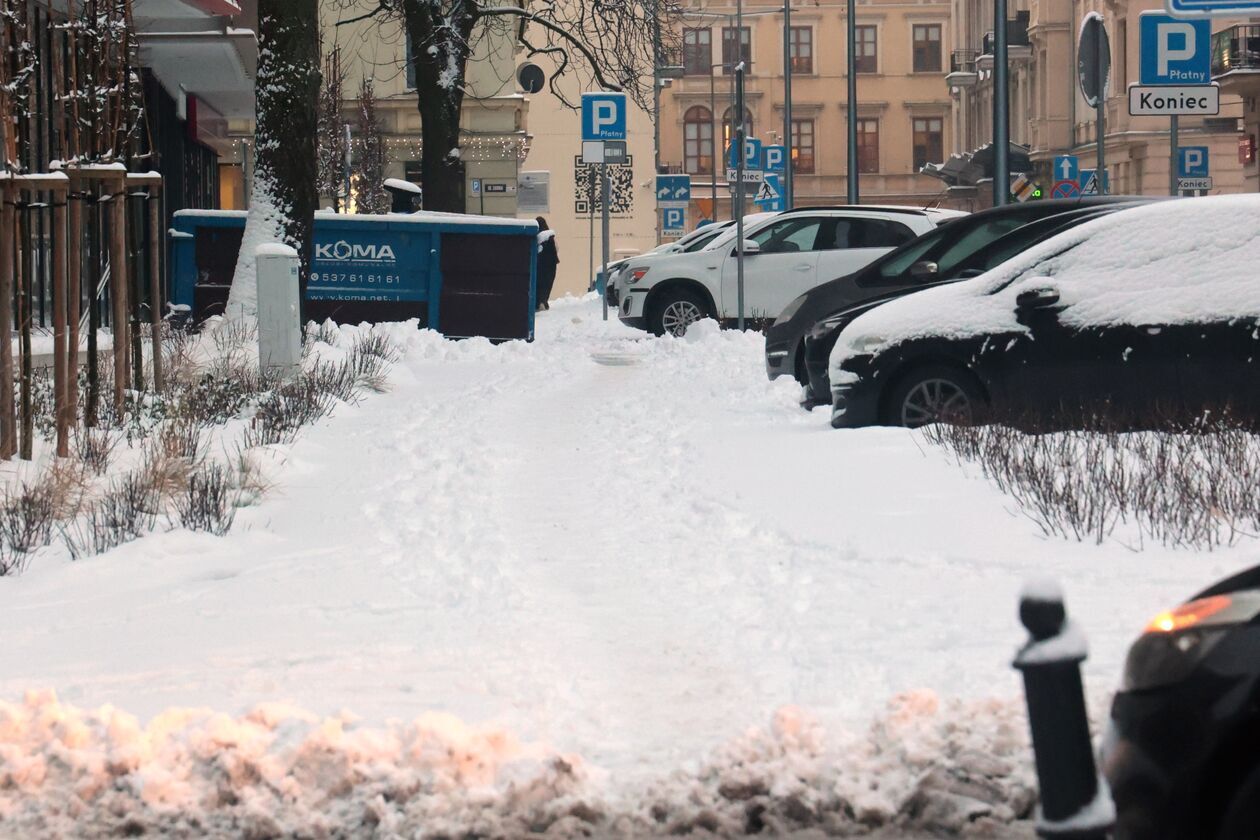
621,550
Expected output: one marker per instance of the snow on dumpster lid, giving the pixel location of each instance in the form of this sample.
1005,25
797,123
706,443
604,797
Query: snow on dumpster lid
434,217
400,184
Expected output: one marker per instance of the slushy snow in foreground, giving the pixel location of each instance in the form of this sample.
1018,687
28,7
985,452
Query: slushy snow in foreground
601,584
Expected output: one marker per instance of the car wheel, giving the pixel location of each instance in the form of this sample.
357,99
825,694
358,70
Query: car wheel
936,394
675,311
1242,818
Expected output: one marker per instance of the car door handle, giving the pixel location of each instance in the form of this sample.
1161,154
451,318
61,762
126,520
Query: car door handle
804,267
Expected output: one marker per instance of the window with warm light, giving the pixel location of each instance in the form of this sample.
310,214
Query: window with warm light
803,146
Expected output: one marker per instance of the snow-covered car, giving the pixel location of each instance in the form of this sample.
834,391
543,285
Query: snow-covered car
694,241
1144,315
784,256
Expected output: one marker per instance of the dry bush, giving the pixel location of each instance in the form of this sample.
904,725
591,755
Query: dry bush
325,333
208,502
95,448
1190,487
127,511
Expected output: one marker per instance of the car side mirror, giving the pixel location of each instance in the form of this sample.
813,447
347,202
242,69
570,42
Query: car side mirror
750,248
1042,297
924,270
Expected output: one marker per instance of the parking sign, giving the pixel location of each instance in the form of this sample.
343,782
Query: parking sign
1192,162
774,158
1174,51
673,221
603,116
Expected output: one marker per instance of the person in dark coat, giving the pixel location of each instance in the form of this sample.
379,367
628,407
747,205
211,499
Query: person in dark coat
548,259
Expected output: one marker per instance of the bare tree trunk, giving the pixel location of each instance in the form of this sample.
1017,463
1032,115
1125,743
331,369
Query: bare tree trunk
440,42
286,194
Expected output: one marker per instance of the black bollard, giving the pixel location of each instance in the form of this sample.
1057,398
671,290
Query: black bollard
1072,803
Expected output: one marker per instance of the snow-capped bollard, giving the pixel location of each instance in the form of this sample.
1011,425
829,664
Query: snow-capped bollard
279,313
1075,800
403,195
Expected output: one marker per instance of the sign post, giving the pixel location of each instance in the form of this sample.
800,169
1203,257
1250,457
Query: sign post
1093,72
1175,75
604,140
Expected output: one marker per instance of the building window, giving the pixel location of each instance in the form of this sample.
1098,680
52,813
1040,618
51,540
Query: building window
867,54
697,52
801,49
730,54
698,140
868,145
927,47
803,146
928,144
728,126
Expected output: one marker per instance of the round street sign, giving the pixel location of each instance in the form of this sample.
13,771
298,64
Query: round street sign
1065,189
531,78
1093,59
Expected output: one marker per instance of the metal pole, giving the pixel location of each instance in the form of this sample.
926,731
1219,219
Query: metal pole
1001,108
1101,115
713,135
605,198
853,196
787,102
1174,124
656,101
739,189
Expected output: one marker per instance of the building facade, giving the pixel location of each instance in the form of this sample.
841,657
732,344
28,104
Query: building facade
905,118
1236,68
1048,113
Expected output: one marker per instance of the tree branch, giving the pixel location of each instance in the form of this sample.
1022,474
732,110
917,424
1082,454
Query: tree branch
577,44
381,6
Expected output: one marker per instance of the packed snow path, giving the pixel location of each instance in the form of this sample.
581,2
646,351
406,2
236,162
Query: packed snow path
626,549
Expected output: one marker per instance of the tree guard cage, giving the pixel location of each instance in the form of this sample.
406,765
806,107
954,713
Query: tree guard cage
80,235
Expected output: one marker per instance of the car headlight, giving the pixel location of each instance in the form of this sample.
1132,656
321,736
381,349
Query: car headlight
1175,642
790,310
635,275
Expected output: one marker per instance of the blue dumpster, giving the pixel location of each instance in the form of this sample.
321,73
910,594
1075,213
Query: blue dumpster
461,275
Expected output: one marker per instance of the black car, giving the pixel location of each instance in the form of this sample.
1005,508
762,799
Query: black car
939,254
822,337
1182,752
1147,314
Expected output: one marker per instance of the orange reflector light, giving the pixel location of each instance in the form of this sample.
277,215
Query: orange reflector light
1187,615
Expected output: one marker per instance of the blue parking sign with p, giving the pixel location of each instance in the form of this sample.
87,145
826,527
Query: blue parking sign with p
1174,51
774,158
673,220
603,116
1192,162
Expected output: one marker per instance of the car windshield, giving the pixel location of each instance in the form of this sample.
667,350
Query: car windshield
701,241
948,249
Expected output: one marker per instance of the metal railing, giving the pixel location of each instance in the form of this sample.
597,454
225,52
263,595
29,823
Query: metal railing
1236,48
962,61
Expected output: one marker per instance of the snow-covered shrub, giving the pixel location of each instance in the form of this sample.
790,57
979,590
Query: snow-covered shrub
94,448
1192,487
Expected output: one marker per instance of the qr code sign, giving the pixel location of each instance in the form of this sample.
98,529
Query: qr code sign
588,192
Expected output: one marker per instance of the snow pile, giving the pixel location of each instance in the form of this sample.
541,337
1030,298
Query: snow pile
1169,262
281,771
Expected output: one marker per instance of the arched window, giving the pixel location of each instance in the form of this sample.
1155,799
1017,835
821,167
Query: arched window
698,140
729,126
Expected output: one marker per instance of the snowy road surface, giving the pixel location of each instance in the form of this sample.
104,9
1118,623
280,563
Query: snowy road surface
626,550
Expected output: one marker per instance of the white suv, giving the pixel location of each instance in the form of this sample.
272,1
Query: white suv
784,256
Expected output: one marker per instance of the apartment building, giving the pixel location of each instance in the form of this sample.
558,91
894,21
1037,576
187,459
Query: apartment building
1236,68
1048,114
905,115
